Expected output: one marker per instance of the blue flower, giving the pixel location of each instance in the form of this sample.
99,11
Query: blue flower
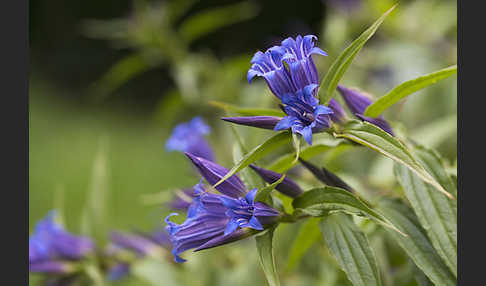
305,115
357,102
189,137
297,55
50,247
215,219
291,75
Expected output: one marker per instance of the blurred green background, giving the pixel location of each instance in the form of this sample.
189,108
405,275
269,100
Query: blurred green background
110,79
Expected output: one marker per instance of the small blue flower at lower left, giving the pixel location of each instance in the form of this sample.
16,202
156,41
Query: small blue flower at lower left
51,245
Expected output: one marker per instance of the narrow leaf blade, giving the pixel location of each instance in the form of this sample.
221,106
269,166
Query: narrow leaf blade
267,259
436,214
405,89
319,201
416,245
258,152
375,138
341,64
308,234
351,249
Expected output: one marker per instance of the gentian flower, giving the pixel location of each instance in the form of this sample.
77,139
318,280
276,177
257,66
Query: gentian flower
305,115
291,74
215,219
54,250
189,137
357,102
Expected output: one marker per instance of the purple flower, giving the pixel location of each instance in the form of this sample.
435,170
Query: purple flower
305,115
51,266
291,75
215,219
297,55
265,122
50,244
286,187
357,102
188,137
338,114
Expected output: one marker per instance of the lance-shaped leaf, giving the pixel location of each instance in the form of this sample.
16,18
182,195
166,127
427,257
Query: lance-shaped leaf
416,245
341,64
267,259
308,234
436,214
320,201
375,138
251,179
258,152
351,249
247,111
405,89
264,192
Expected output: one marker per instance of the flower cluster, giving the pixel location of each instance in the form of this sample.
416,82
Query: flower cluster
215,219
291,75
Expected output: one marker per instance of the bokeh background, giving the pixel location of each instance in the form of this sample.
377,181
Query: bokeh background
110,79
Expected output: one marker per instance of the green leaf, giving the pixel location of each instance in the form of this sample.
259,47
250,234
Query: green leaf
94,219
436,214
322,143
250,178
432,162
405,89
258,152
308,234
416,245
375,138
341,64
267,260
264,192
320,201
247,111
351,249
207,21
